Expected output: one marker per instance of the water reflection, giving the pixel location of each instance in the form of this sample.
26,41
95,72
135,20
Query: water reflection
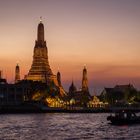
55,126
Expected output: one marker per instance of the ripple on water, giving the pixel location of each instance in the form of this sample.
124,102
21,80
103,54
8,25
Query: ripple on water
61,126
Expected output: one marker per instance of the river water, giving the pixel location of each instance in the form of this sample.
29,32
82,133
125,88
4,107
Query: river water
63,126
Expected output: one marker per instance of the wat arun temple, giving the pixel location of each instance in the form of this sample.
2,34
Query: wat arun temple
40,69
41,84
41,87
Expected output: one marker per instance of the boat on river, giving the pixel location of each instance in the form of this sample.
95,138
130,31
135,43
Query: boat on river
124,118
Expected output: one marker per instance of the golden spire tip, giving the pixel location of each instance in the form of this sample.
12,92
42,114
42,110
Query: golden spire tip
40,19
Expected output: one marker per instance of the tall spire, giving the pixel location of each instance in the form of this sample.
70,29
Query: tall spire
59,78
40,69
84,80
17,74
40,31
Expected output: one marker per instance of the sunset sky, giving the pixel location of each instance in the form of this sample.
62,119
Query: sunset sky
104,35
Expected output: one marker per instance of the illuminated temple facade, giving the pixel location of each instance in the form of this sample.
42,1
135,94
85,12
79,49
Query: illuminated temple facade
40,69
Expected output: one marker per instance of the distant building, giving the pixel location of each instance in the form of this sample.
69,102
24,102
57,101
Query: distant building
119,94
11,94
24,90
95,102
2,80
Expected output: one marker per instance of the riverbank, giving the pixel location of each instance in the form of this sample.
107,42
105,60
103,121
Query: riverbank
31,109
23,109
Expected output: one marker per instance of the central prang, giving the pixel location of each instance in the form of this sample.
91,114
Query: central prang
40,69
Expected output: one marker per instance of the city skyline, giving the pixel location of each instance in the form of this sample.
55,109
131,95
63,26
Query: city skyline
103,35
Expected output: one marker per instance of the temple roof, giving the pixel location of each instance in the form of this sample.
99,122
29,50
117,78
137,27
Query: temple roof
72,87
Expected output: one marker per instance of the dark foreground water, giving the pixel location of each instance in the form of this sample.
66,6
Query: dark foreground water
59,126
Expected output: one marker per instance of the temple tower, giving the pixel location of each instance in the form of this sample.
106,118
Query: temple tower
59,78
72,89
17,74
61,89
84,80
40,69
0,74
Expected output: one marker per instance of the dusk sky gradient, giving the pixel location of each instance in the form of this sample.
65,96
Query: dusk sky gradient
104,35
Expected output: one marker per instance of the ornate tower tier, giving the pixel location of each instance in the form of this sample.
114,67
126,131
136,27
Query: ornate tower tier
40,69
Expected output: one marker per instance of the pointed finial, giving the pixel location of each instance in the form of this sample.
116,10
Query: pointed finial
84,66
17,63
40,19
72,80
